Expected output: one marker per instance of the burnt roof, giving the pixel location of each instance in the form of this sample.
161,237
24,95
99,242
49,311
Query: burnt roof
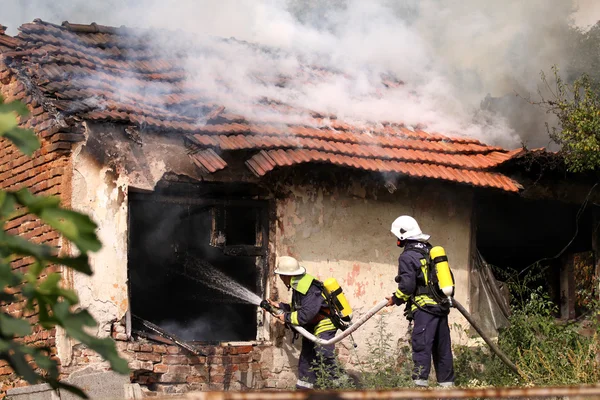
100,73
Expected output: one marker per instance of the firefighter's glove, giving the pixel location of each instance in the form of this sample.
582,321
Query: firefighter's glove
397,301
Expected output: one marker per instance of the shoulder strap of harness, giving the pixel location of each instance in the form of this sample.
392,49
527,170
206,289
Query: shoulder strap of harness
423,287
330,310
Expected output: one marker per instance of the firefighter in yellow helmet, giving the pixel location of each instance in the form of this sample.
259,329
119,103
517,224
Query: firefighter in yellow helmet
431,333
309,310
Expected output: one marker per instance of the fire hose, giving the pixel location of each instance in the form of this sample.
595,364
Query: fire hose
381,305
346,332
487,340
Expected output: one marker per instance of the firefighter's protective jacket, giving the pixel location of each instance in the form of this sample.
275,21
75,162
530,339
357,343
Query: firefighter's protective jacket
308,308
412,275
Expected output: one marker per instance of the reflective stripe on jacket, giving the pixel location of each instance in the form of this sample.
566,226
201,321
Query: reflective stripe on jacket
412,270
308,306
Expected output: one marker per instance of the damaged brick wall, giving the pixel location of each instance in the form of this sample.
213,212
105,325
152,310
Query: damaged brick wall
163,367
44,173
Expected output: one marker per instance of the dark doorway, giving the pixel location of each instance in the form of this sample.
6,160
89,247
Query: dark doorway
518,236
173,240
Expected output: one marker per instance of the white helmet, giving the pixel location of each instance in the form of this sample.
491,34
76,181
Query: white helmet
406,228
289,266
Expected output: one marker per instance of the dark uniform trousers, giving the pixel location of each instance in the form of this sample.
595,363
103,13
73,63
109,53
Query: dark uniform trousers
431,339
314,356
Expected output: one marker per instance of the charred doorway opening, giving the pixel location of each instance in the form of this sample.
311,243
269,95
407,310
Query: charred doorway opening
518,235
176,237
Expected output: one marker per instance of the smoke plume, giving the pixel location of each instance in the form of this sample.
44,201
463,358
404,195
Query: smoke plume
464,65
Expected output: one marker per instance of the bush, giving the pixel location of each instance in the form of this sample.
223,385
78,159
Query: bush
546,351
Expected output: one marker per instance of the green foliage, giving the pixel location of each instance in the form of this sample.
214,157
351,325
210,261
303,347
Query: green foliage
586,290
25,140
385,367
577,107
41,292
546,351
331,377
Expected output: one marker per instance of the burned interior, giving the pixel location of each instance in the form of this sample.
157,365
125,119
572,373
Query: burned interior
552,240
177,236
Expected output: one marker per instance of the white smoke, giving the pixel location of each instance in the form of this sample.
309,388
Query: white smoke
450,54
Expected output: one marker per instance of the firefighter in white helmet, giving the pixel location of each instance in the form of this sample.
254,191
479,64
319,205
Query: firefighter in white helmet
309,310
431,333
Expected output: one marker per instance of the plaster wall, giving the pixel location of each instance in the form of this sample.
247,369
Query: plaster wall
337,231
345,233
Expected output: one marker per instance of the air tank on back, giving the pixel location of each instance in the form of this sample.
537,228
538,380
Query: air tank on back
444,275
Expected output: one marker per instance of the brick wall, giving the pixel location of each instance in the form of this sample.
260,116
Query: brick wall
44,174
162,367
159,367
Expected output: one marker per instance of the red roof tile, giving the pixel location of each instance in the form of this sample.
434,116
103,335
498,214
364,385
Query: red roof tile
208,160
265,161
110,74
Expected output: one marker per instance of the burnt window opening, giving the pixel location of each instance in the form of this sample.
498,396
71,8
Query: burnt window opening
174,241
523,232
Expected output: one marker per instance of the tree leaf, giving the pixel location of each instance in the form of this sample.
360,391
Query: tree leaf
36,269
73,324
14,106
71,388
79,263
76,227
24,139
34,203
7,203
10,326
8,122
8,277
18,245
17,361
50,284
43,361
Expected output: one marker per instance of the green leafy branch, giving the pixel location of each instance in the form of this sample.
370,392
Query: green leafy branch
577,107
42,292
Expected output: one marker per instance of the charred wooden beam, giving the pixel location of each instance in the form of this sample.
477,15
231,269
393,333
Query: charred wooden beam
243,250
162,333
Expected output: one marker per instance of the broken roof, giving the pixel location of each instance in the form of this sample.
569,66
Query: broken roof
79,69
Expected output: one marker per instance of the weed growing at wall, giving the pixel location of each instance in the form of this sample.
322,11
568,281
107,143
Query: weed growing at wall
385,366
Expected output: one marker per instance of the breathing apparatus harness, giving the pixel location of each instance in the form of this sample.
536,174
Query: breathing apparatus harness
431,285
334,299
337,308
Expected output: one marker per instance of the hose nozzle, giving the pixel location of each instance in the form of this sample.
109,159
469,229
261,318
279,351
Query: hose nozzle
268,307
